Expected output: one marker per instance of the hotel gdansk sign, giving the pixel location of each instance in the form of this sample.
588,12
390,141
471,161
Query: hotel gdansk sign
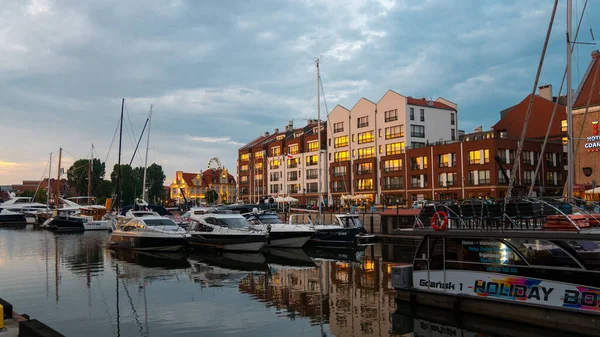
593,142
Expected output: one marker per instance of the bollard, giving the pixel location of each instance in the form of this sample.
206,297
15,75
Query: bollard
1,317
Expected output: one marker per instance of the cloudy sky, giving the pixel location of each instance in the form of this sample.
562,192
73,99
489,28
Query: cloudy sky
220,73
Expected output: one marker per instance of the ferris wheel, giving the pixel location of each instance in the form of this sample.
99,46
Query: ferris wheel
214,161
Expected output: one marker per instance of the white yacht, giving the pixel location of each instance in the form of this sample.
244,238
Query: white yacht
280,233
225,231
24,205
154,233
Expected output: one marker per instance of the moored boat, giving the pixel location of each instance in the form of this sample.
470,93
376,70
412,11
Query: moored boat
9,219
225,231
280,233
153,233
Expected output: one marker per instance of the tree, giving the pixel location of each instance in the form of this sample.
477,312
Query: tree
105,190
211,196
155,177
128,183
77,175
39,197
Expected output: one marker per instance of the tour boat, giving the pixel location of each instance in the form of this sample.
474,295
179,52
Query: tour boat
155,233
225,231
507,259
280,233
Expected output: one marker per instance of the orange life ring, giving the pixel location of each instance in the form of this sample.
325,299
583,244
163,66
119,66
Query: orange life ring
434,221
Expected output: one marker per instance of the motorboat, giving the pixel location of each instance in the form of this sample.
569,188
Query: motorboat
26,206
184,219
346,229
10,219
153,233
64,221
94,217
225,231
280,233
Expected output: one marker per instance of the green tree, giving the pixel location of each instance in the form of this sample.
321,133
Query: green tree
211,196
105,190
129,183
39,197
77,175
155,178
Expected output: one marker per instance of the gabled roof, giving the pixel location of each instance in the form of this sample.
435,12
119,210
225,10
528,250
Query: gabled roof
541,111
362,99
425,103
207,177
585,87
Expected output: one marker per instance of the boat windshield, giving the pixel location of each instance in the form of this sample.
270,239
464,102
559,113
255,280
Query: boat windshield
234,222
351,222
268,219
159,222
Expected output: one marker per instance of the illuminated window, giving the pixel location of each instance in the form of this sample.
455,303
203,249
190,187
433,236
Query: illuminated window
338,127
313,146
366,152
418,163
340,141
259,155
563,125
276,151
394,148
293,149
365,137
274,164
364,168
392,165
394,132
391,115
341,156
312,160
362,122
364,184
244,157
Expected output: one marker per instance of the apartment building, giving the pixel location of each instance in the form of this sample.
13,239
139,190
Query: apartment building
373,133
285,163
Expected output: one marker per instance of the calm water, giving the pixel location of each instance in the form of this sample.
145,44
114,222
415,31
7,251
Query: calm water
75,285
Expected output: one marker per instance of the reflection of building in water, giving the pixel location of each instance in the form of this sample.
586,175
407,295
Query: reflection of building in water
358,298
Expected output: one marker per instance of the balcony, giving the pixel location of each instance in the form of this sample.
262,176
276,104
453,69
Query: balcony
312,190
293,178
273,167
312,176
336,130
364,188
447,184
418,185
417,134
293,165
363,172
392,169
363,125
339,174
275,178
311,163
391,118
244,171
392,186
338,189
447,164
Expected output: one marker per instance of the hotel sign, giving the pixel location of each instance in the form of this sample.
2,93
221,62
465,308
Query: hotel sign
593,142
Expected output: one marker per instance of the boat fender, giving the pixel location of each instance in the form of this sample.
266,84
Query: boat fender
434,218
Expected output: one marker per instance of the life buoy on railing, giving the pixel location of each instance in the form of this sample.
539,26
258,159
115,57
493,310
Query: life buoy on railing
434,218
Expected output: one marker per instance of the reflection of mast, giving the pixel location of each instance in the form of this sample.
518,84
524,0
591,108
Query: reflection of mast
321,292
56,267
118,314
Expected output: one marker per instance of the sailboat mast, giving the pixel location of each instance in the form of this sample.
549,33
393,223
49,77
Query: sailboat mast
146,163
119,161
319,162
49,192
57,192
571,164
89,191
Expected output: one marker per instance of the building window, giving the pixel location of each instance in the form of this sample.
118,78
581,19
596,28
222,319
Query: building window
563,126
447,160
417,145
417,131
447,179
292,163
362,122
552,159
530,157
365,137
364,184
339,171
244,157
338,127
338,186
501,179
452,120
340,141
366,152
275,151
390,183
364,168
422,115
453,134
418,163
274,188
394,148
394,132
244,179
484,177
274,176
292,176
528,177
552,178
391,115
503,156
479,157
312,160
312,174
244,169
293,149
257,168
412,114
380,149
259,155
416,182
274,164
341,156
312,187
313,146
392,165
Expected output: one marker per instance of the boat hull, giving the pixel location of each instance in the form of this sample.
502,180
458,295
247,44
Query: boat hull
231,242
288,239
96,225
65,224
146,243
15,220
334,237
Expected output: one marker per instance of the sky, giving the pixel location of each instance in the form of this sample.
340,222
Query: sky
221,73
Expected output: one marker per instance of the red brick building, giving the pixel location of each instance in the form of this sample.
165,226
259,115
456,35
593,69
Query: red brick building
34,185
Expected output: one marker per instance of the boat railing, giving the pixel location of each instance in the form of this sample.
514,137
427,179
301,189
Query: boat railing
516,213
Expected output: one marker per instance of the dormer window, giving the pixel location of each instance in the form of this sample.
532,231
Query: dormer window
298,134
